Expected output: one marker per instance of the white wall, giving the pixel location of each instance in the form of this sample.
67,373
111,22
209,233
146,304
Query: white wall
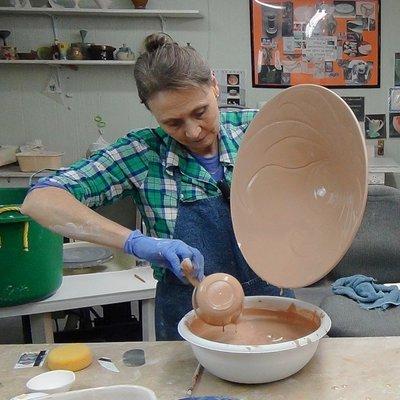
223,36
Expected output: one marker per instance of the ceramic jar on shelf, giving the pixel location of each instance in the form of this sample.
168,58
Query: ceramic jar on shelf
8,53
124,53
140,3
75,53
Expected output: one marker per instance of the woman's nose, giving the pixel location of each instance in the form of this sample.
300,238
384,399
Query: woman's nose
192,130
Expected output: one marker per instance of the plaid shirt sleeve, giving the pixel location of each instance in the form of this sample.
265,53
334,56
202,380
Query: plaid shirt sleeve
107,175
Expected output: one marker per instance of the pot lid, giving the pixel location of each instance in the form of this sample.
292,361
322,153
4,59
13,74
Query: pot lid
84,255
299,186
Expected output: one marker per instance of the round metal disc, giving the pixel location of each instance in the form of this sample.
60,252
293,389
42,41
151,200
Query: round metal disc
134,358
87,256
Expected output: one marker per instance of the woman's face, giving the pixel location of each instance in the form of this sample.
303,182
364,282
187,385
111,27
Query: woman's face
190,116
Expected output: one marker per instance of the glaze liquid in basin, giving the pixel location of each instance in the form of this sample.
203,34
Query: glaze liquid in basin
260,326
247,362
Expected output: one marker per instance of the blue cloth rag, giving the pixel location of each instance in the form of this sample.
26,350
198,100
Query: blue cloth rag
366,292
208,398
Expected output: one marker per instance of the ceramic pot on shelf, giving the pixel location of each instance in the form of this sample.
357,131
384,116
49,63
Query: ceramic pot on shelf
101,52
83,47
124,53
8,53
75,53
140,3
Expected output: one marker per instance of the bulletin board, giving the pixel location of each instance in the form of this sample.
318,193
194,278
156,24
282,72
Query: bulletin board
330,43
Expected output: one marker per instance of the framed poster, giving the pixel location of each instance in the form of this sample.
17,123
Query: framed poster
397,69
326,42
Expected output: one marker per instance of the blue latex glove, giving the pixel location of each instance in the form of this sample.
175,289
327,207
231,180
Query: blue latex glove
166,253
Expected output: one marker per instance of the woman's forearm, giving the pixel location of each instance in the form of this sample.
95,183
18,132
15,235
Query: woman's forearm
59,211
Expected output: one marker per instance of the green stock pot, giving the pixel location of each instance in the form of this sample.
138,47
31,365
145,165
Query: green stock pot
31,257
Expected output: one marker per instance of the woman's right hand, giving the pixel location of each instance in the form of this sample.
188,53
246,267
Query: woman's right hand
166,253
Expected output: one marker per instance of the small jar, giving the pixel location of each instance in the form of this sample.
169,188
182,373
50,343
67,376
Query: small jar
140,3
8,53
380,148
75,53
124,53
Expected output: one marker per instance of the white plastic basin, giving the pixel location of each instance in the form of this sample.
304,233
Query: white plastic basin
262,363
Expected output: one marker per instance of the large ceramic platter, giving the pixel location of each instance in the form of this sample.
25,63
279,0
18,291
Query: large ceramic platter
299,186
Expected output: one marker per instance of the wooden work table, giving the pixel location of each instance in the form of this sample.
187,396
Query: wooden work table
344,368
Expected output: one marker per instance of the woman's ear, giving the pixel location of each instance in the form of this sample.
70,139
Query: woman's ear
214,85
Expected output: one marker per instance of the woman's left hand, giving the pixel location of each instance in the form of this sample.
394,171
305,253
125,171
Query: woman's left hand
166,253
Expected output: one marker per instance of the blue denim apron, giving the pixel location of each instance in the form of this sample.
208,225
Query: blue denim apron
205,224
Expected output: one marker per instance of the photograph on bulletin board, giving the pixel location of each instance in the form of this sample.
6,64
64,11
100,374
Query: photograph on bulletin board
397,69
331,43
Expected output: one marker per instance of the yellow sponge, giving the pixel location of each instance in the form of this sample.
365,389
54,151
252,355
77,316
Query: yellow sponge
72,357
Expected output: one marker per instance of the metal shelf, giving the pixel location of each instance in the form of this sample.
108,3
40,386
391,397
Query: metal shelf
68,62
103,12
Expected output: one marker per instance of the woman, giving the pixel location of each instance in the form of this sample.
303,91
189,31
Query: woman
177,175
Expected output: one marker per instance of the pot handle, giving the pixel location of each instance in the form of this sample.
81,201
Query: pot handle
25,241
38,172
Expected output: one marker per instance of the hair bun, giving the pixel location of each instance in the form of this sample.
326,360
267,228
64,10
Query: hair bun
156,40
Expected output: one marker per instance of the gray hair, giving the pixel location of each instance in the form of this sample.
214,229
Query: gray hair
165,65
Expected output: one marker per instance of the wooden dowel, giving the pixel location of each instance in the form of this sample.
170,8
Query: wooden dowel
195,379
187,269
140,278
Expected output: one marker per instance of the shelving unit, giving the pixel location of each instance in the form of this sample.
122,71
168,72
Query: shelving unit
69,62
77,12
103,12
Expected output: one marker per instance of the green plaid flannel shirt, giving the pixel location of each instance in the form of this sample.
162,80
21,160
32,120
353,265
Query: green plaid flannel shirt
141,165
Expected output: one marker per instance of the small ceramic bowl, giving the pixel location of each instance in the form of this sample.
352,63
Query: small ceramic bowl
218,299
32,55
95,52
44,53
52,382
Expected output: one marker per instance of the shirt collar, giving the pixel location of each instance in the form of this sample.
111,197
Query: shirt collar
225,153
174,153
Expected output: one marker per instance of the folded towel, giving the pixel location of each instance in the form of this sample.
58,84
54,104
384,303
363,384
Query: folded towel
366,292
209,398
